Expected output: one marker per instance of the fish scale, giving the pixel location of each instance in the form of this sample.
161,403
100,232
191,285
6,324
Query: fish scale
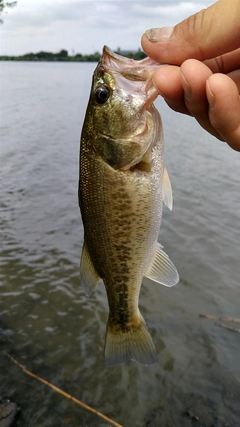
122,185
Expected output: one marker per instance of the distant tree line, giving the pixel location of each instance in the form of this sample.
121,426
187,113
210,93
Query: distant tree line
64,56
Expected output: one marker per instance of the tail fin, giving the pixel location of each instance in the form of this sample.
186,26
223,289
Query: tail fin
131,344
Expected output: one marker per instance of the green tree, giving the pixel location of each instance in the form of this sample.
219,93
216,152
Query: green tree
63,53
4,4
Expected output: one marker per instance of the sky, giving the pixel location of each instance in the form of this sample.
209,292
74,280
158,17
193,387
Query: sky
84,26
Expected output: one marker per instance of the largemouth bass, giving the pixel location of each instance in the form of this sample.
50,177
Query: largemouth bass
123,183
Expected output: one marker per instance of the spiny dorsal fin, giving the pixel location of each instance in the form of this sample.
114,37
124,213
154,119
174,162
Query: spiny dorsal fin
167,189
88,275
161,269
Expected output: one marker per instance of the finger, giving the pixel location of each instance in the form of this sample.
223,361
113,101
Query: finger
194,75
224,63
224,110
207,34
235,76
167,80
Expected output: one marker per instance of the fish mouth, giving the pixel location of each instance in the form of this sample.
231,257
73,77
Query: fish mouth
132,152
137,131
146,127
117,61
134,71
128,147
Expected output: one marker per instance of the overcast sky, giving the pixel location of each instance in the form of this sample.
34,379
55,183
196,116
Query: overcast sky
84,26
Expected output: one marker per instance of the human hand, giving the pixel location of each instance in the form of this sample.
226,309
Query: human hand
208,86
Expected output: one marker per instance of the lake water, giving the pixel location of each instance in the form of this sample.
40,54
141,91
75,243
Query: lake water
48,324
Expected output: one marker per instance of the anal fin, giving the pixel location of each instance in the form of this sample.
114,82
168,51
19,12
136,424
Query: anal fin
88,275
161,269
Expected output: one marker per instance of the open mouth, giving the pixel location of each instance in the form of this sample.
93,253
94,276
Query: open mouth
144,165
138,72
141,125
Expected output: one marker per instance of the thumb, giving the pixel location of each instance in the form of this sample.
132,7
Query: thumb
207,34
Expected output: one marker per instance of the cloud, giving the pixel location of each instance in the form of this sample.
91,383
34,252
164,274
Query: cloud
85,26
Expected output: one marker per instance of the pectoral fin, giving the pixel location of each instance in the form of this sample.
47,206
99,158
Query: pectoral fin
88,275
161,269
167,189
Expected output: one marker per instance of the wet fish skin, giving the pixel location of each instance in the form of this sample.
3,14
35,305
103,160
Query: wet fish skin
121,190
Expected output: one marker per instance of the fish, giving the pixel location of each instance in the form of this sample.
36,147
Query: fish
123,183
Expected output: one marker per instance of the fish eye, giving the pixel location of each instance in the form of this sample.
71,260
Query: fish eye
101,94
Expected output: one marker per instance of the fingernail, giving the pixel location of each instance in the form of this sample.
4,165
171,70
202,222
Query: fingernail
159,34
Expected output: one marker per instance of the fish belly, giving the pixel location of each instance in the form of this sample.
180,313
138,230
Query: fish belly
121,212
